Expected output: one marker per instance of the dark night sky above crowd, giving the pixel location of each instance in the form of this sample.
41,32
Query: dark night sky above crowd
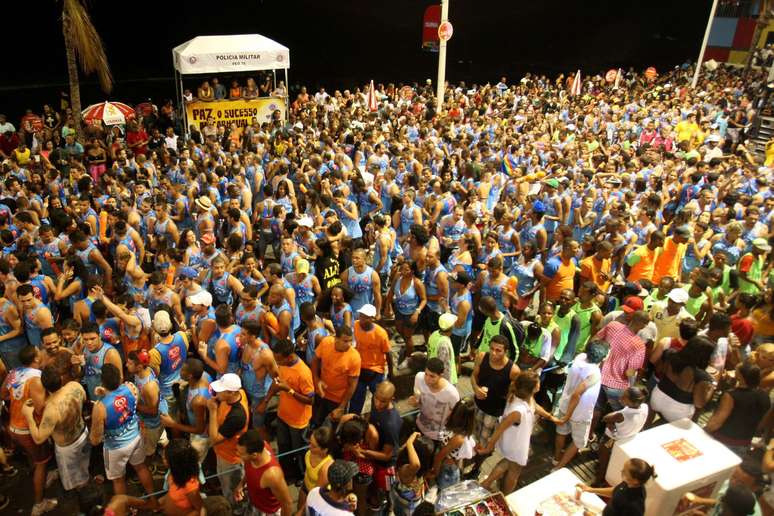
344,42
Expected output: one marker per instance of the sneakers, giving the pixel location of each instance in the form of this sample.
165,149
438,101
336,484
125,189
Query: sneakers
48,504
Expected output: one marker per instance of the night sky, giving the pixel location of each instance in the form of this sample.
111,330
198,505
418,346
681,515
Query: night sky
338,43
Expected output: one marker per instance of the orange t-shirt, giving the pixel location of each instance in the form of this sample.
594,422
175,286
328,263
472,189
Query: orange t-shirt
645,266
592,269
669,260
18,383
226,450
337,368
563,279
179,495
372,345
299,378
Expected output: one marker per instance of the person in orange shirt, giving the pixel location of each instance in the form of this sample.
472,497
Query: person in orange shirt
373,345
228,420
335,370
22,384
295,386
559,271
642,260
669,261
597,268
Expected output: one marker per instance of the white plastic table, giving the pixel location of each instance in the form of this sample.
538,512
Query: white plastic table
704,472
526,500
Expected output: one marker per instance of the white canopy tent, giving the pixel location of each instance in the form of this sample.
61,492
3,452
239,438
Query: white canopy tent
229,54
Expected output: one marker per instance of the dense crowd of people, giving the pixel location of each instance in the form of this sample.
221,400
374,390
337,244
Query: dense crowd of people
221,301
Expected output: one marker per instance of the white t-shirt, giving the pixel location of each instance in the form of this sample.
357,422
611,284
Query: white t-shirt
514,443
434,407
576,375
634,420
318,504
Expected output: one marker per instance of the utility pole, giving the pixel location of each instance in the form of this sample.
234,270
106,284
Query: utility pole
443,37
704,44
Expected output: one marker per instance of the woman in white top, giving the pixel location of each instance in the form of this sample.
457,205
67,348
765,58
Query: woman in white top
622,425
514,431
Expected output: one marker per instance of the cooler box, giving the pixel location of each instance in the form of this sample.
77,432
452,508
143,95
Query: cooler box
686,459
554,494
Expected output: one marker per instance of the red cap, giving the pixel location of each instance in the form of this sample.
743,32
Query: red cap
632,304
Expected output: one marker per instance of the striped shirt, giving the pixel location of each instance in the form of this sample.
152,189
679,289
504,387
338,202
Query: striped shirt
627,351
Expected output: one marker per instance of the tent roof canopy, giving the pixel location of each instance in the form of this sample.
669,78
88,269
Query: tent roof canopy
231,53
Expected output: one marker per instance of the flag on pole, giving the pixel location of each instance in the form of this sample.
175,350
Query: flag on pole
371,97
617,79
576,88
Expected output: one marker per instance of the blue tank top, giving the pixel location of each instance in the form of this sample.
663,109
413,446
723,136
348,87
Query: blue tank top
454,231
364,201
31,328
454,303
431,285
121,422
453,262
5,328
93,369
525,273
84,256
504,238
311,342
337,316
406,302
242,314
150,421
406,219
362,287
155,302
191,396
494,290
255,388
39,289
277,310
287,261
173,355
352,225
232,339
221,292
110,331
378,256
303,289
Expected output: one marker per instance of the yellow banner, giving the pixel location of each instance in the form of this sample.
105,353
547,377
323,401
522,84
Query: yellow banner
239,112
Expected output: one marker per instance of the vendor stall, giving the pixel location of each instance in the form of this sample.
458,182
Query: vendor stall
209,55
554,494
685,458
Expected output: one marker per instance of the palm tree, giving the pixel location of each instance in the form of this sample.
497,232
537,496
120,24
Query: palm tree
82,43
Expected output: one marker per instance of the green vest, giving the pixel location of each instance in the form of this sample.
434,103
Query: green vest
563,323
491,329
755,273
433,343
584,316
694,304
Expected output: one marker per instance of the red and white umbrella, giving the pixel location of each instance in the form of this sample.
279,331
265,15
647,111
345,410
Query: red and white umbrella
110,113
371,97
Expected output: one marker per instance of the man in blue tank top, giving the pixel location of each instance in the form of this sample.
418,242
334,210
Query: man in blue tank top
95,355
167,358
223,356
150,404
114,420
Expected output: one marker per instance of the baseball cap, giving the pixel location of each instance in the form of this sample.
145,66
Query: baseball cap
762,244
683,231
161,322
461,277
368,310
446,321
302,266
632,304
187,272
678,295
341,472
200,298
208,238
228,382
538,207
553,183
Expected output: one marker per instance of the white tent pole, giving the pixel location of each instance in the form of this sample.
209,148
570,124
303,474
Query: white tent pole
287,97
704,44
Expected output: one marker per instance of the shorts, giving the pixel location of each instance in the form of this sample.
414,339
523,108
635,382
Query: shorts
202,446
36,453
578,429
610,396
384,477
405,320
152,437
172,408
259,419
484,426
458,343
73,462
429,320
116,460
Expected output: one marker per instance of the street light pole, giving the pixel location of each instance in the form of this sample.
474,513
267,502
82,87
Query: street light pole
440,85
704,44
